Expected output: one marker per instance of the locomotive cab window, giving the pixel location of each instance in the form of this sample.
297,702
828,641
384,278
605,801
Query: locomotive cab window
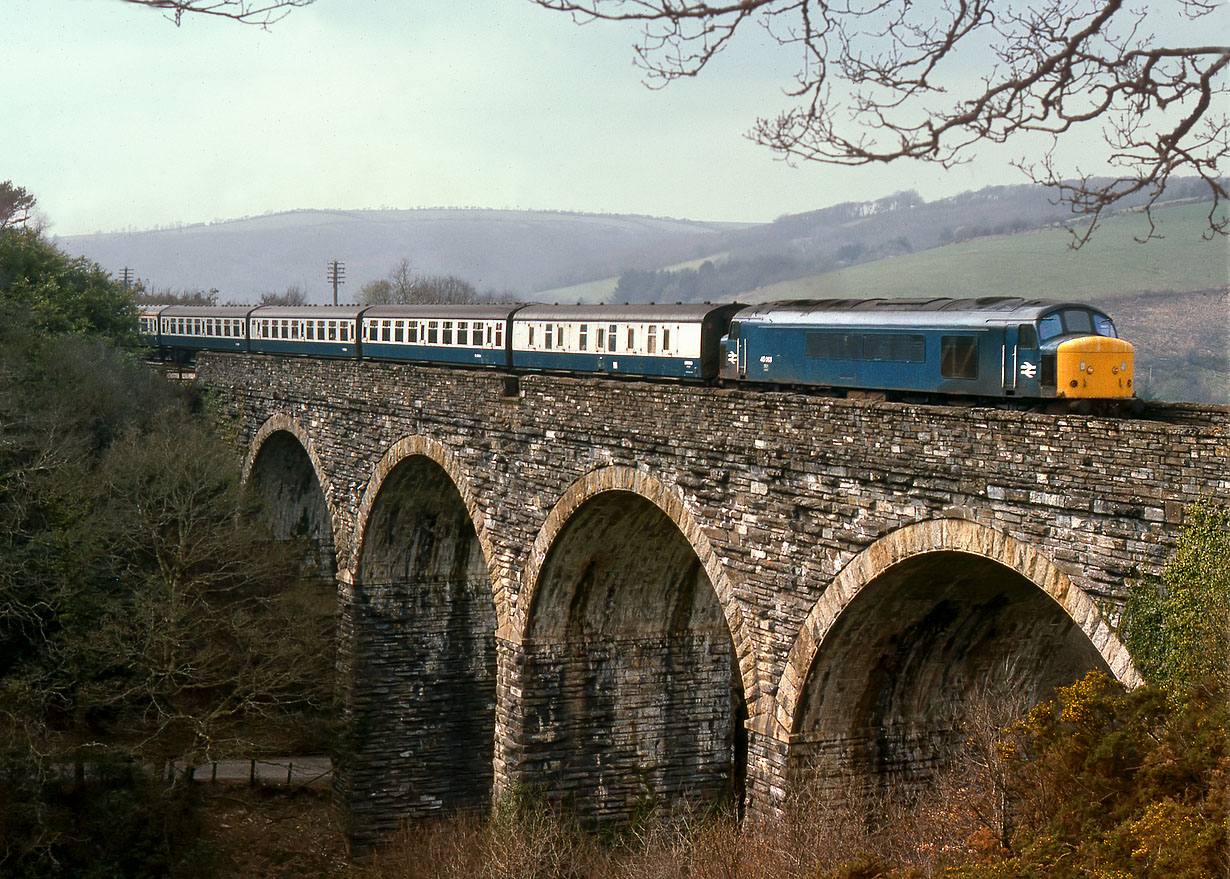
1104,326
1077,320
959,356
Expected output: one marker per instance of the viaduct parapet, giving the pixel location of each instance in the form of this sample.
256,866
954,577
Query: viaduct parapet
627,594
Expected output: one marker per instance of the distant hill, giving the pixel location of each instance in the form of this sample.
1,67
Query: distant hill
560,256
521,251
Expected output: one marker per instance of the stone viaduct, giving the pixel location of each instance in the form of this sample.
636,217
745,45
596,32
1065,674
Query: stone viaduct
628,594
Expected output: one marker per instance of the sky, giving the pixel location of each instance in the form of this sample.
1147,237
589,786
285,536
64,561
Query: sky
122,120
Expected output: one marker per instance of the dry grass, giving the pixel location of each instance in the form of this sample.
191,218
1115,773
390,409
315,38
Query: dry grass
274,833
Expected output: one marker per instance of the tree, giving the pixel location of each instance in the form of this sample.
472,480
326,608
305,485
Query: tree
146,614
259,12
62,294
16,205
294,295
883,80
404,287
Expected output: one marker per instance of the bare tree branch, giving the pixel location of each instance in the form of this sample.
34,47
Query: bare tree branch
262,13
883,80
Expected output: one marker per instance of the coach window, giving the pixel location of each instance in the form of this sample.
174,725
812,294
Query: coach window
446,333
399,331
547,335
412,332
601,340
332,325
583,337
463,332
651,339
666,340
499,335
433,332
611,341
959,357
531,336
311,331
559,336
294,328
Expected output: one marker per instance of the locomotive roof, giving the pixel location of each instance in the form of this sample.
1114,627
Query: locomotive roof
906,312
487,311
687,312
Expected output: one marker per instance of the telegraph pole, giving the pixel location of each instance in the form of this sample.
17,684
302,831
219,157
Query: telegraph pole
335,272
126,277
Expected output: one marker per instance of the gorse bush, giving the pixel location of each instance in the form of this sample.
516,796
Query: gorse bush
1176,626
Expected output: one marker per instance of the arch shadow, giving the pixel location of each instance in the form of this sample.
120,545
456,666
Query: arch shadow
627,641
921,625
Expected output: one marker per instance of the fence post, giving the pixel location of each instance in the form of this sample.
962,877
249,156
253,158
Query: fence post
252,774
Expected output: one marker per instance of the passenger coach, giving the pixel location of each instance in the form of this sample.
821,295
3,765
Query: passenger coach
664,341
318,332
474,335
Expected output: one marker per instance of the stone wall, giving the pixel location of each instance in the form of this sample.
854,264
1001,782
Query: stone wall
590,504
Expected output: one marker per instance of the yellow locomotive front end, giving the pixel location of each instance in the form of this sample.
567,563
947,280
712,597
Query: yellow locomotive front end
1095,367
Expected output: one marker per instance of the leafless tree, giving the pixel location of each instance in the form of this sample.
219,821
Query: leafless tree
294,295
404,286
259,12
882,80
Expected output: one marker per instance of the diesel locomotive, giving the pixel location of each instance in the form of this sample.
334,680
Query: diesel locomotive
993,347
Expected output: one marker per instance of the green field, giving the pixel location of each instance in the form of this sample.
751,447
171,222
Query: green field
1039,264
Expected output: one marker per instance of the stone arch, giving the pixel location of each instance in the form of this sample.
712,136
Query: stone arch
300,496
629,659
425,447
420,613
652,489
936,552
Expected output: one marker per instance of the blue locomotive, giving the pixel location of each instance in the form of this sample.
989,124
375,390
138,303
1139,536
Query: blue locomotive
991,347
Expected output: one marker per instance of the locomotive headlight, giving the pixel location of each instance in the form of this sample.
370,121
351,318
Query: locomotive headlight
1114,370
1089,370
